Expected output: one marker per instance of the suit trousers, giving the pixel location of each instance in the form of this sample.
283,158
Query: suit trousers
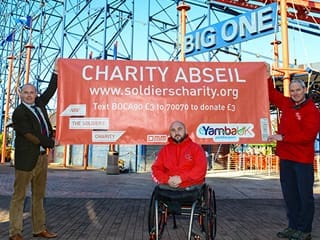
37,178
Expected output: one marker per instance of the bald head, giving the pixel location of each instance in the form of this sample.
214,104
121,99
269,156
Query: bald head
28,93
178,131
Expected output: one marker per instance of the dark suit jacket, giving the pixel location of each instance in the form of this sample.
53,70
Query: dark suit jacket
28,131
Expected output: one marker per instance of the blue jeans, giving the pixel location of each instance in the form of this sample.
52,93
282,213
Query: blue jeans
297,181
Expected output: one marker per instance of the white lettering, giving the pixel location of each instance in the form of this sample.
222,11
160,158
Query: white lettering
207,75
245,24
244,27
84,73
124,73
181,76
265,17
226,35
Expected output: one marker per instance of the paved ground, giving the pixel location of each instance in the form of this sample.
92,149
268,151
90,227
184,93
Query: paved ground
93,205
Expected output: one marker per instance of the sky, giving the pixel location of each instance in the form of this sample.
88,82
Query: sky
303,47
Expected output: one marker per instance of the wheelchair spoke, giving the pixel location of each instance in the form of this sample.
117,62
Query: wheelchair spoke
201,205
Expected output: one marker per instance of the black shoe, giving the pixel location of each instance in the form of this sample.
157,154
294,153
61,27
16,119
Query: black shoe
298,235
286,233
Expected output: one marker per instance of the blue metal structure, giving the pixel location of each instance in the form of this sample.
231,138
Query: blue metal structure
100,29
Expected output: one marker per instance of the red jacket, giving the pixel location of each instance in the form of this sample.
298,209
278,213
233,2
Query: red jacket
186,159
298,126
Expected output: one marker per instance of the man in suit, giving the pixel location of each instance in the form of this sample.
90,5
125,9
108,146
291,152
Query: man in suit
33,138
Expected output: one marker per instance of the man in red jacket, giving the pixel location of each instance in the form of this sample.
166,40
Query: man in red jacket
181,163
297,131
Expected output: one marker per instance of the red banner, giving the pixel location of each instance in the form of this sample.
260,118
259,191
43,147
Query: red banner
134,102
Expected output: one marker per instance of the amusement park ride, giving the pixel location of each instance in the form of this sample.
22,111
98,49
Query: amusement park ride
33,34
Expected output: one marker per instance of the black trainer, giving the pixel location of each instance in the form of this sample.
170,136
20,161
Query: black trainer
286,233
298,235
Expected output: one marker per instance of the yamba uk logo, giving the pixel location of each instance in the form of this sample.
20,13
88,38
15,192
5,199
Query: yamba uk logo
225,132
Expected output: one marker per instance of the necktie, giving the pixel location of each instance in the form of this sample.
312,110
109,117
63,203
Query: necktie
41,120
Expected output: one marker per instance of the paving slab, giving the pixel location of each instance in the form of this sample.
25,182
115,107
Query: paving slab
90,204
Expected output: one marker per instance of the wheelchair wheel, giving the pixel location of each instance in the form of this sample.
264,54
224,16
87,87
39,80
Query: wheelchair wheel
162,216
209,214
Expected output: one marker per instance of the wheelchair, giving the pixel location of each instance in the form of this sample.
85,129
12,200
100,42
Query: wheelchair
194,202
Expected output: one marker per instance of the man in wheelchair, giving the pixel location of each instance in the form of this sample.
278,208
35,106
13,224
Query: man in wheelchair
181,163
179,170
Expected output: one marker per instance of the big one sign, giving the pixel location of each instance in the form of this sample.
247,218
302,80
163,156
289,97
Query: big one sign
250,25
